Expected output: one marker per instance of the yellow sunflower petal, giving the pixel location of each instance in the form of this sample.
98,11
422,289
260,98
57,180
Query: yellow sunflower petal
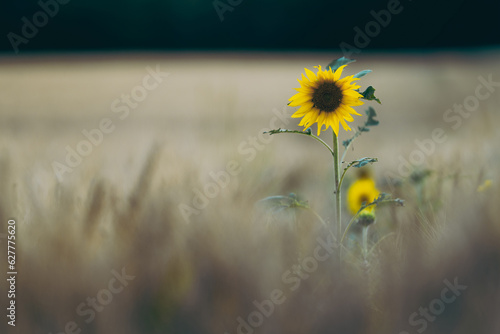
338,72
300,100
297,96
308,119
362,190
303,110
344,125
326,112
321,120
351,101
305,90
335,124
351,93
346,115
352,111
310,74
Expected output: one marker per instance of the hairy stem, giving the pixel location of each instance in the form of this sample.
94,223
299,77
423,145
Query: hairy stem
336,163
365,242
273,132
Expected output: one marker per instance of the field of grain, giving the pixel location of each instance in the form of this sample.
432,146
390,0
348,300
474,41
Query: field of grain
134,182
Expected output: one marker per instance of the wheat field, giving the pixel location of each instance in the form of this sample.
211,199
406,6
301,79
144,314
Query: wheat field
143,216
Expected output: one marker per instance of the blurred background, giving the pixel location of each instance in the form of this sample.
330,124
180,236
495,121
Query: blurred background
247,25
156,97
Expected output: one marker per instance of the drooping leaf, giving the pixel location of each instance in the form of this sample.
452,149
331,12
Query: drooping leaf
371,121
363,162
339,62
362,73
280,209
382,199
369,94
290,201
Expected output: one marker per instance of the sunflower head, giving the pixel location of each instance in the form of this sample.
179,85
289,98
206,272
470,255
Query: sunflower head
366,218
326,99
362,190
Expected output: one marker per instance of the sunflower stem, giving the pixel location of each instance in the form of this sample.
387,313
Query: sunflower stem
356,135
343,173
379,241
273,132
353,219
365,242
336,167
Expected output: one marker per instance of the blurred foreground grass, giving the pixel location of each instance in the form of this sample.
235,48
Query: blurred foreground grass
118,210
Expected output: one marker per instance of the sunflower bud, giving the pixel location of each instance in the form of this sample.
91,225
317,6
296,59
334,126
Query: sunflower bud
366,218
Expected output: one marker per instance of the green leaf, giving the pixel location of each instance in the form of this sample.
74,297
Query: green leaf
280,130
362,73
382,199
418,176
363,162
290,201
339,62
371,121
279,209
369,94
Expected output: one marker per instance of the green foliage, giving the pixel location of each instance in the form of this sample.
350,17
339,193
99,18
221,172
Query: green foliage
370,121
280,209
362,73
369,94
283,202
334,65
280,130
418,175
382,199
279,204
362,162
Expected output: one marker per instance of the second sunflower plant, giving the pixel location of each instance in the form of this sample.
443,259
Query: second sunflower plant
327,99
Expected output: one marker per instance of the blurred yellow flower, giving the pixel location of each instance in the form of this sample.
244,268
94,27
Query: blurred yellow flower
485,185
326,99
362,190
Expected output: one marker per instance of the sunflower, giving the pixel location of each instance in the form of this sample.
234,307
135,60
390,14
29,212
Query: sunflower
326,99
362,190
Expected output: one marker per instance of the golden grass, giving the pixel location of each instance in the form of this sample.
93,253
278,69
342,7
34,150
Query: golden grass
120,207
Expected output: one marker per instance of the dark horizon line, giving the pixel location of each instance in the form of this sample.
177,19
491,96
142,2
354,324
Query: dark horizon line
111,51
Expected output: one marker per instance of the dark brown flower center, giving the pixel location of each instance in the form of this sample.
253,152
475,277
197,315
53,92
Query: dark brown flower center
364,198
327,97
